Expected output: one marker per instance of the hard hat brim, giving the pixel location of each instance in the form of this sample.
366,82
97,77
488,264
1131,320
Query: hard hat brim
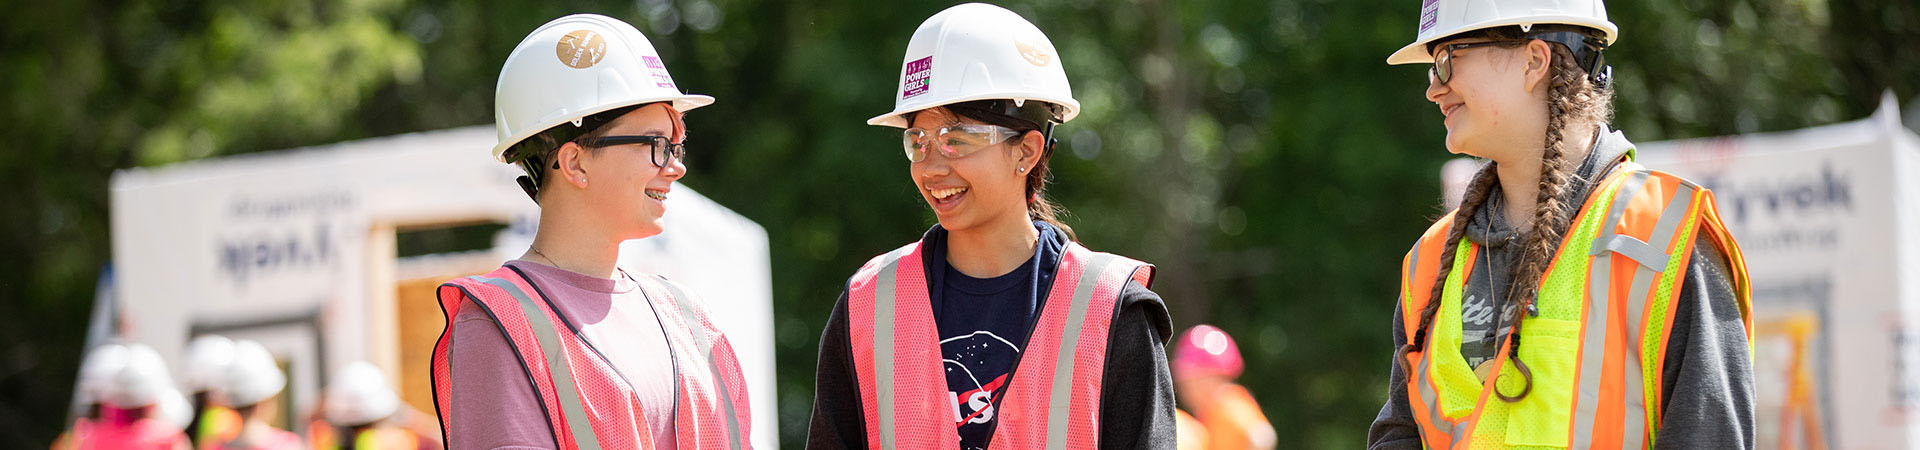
898,117
1416,52
683,103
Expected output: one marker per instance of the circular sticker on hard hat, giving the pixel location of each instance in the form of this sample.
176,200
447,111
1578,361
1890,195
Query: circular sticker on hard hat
581,49
1034,54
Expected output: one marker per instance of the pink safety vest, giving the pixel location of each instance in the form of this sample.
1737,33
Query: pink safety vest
588,404
1053,398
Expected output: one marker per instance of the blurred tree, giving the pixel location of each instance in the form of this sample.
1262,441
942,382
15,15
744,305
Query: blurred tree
90,87
1262,153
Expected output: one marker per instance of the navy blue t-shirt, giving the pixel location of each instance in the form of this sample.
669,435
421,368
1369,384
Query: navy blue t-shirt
983,326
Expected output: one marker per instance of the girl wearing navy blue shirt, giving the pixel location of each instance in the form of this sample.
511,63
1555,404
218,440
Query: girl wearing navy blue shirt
981,165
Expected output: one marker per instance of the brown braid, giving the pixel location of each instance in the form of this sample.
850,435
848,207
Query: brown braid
1571,100
1478,191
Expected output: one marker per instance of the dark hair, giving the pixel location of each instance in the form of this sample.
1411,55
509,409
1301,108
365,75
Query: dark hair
537,154
1572,98
1027,118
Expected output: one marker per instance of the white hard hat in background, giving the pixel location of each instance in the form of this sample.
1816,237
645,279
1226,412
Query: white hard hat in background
577,66
206,363
97,371
978,51
360,395
175,409
141,382
253,377
1440,19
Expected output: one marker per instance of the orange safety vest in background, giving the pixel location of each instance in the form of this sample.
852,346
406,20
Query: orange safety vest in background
587,402
1052,400
1596,348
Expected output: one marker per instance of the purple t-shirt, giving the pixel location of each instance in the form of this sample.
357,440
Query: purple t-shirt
492,399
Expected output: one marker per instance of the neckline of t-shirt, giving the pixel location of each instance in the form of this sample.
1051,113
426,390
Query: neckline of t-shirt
988,286
625,284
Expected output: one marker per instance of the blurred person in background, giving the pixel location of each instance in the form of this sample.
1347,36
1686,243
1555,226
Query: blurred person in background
208,358
1575,299
922,347
361,412
133,382
1205,364
252,383
561,348
96,373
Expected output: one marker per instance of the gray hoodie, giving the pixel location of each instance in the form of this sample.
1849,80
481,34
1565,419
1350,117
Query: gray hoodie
1708,379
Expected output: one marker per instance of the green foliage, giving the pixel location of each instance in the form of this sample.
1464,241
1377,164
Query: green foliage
1262,153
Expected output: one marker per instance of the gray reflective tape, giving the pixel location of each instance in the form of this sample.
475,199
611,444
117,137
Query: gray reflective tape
1060,398
1619,208
1434,415
557,368
705,345
1633,424
1648,256
1593,345
1413,265
883,299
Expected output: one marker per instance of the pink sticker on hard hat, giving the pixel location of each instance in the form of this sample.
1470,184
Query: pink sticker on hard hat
1429,15
659,70
918,78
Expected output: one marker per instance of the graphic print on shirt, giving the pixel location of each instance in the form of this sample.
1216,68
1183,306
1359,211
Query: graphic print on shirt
977,363
1481,341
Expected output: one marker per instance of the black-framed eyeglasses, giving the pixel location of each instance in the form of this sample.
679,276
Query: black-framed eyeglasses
1442,70
663,151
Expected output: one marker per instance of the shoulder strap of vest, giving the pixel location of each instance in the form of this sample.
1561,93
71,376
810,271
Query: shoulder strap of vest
896,354
1056,386
1420,269
710,346
505,291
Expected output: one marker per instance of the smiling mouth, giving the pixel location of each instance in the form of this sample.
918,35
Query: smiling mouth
657,194
943,194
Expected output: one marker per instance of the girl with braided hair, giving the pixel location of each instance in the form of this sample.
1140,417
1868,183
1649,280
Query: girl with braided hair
1575,299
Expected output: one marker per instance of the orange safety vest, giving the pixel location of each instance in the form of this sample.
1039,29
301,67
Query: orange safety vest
1597,345
588,404
1053,398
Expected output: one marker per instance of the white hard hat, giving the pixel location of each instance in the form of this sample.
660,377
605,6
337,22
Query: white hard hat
574,67
141,382
360,395
207,359
978,51
254,375
1440,19
175,410
97,371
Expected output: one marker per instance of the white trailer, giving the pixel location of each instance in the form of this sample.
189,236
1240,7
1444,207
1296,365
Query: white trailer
298,249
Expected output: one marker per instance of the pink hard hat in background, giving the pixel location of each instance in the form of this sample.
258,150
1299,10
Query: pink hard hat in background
1206,350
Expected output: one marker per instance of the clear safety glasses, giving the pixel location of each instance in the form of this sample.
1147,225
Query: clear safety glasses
955,141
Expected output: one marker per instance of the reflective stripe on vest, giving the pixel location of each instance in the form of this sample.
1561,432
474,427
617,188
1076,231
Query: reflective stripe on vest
711,351
1606,397
1052,398
588,404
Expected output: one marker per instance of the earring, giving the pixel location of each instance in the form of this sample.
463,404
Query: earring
1020,170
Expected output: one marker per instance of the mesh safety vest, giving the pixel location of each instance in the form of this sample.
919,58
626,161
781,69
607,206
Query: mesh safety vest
1052,400
1596,347
588,404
